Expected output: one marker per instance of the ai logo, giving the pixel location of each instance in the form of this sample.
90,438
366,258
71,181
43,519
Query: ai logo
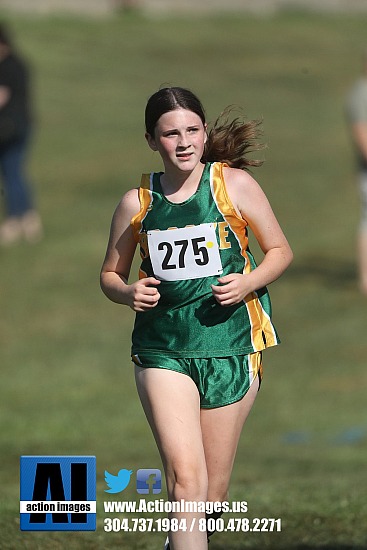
58,493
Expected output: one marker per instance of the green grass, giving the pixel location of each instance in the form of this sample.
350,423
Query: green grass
67,384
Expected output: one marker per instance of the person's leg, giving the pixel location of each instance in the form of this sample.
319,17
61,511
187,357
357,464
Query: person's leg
21,218
362,237
221,430
17,189
172,406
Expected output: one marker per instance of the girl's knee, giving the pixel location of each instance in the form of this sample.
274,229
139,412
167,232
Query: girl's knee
188,483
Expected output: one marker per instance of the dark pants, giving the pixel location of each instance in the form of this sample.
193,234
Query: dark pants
16,188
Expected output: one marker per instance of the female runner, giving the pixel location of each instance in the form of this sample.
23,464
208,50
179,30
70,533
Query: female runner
203,313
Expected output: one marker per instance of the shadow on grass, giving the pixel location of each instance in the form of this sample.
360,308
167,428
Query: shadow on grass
329,271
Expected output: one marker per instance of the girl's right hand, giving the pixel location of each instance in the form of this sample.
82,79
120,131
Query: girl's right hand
142,295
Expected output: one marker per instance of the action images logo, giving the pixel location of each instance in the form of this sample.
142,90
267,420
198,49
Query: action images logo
58,493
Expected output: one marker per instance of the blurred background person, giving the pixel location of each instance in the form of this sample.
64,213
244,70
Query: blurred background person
124,6
21,220
357,117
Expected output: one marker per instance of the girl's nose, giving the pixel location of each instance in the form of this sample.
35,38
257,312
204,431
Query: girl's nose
183,141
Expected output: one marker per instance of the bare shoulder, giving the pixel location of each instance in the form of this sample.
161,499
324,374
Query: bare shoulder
129,204
241,187
130,200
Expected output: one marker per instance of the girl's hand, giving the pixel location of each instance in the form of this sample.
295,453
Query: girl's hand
233,288
142,296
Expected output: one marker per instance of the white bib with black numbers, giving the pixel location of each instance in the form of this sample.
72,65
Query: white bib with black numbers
185,253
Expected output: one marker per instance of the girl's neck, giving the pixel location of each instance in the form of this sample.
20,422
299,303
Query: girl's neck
180,186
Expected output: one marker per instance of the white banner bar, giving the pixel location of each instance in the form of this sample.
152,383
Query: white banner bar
58,506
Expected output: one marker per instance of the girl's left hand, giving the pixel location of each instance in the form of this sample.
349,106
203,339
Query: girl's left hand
233,288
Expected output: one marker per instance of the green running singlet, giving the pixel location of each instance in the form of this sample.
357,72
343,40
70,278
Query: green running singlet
188,322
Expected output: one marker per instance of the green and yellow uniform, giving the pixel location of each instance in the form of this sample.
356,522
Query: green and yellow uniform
188,323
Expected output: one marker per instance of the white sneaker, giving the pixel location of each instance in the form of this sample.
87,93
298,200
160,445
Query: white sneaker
10,231
32,227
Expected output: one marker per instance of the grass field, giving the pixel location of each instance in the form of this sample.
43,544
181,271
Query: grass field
66,380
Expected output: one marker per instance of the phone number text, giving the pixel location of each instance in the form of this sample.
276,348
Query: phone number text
165,525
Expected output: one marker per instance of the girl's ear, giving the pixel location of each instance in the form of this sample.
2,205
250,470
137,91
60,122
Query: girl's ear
151,141
206,133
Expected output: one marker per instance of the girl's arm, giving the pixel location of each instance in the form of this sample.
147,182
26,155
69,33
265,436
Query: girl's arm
141,295
251,204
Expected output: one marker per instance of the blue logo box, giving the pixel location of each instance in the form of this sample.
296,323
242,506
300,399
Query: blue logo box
148,481
58,493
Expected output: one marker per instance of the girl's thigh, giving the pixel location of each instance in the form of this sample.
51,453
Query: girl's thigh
171,403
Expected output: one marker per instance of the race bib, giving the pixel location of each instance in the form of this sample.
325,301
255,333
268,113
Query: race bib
185,253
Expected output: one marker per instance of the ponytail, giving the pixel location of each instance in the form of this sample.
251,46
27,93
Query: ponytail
232,141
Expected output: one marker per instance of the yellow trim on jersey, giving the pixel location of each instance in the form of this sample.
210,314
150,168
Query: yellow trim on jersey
226,208
145,198
255,365
259,319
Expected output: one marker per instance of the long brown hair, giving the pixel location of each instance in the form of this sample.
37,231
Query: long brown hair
228,141
231,141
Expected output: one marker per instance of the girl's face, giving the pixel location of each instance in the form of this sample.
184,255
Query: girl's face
179,138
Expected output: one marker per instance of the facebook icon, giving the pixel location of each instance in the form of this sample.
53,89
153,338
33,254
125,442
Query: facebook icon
148,481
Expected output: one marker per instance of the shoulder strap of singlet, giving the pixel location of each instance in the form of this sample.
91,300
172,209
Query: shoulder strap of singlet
220,193
145,198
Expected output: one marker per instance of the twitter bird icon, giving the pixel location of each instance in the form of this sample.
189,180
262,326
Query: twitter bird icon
117,483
